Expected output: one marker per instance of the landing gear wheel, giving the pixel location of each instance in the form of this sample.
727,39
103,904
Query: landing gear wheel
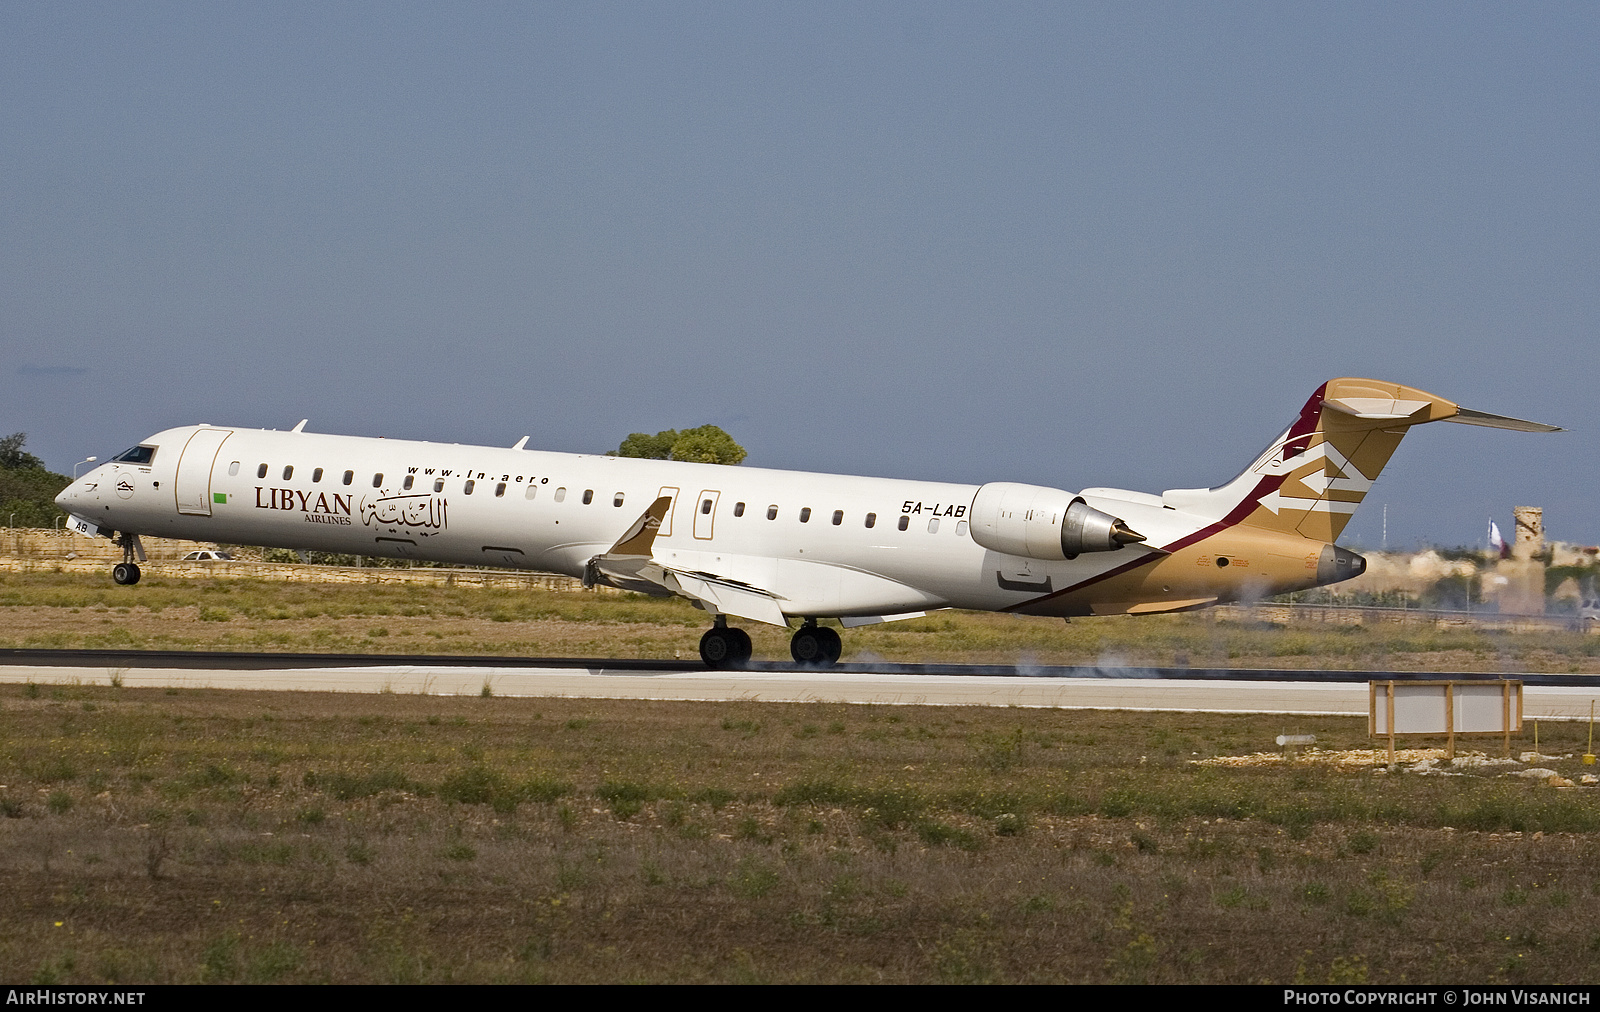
815,647
832,646
125,573
720,647
744,648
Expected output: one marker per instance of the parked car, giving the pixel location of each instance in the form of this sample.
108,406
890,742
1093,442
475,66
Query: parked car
207,557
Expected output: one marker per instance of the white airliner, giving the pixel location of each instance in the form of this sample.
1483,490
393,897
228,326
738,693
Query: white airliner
777,546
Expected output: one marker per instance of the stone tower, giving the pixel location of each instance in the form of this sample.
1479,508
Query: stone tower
1530,532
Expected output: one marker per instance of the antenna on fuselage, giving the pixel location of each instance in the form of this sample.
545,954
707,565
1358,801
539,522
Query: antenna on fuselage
302,426
521,443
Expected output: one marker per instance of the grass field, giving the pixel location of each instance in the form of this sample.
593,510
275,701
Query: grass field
204,835
44,610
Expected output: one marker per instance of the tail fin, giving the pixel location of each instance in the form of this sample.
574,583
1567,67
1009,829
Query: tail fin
1312,478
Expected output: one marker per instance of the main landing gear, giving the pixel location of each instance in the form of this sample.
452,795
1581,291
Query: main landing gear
724,646
815,646
126,573
812,645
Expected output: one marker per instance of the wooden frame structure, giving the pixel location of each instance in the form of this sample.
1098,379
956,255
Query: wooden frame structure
1451,708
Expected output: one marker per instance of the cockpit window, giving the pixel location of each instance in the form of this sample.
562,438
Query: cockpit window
137,455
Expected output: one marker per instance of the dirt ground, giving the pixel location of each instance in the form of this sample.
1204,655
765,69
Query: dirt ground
204,835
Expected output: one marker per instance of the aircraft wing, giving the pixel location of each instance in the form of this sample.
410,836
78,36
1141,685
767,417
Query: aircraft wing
722,595
630,565
762,589
624,564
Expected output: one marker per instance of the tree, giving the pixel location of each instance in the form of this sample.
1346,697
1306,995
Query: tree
12,456
706,444
27,490
642,444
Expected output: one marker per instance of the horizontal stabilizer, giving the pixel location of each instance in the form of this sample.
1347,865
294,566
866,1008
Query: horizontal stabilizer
1467,416
1385,408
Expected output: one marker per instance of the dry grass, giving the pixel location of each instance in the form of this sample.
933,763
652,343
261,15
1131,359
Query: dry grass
200,835
44,610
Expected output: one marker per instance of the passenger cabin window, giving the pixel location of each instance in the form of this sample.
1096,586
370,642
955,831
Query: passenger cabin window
705,506
377,480
233,469
438,484
616,500
261,472
468,487
838,517
933,526
588,496
905,522
349,477
961,528
410,479
316,475
137,455
533,490
738,509
805,514
872,519
561,494
500,490
288,471
772,512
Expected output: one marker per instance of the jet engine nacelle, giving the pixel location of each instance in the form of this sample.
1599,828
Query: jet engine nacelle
1042,523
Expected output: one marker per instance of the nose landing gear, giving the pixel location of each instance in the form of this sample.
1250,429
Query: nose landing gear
126,573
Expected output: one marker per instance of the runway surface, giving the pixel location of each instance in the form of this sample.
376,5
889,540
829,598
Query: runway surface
1208,690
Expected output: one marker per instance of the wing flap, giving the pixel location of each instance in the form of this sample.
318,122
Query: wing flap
724,596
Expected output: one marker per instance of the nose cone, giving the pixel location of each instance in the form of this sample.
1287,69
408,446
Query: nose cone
78,494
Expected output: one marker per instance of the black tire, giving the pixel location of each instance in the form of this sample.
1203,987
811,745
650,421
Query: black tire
743,649
125,573
807,647
832,646
719,649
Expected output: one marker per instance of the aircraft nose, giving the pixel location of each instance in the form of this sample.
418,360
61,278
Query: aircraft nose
74,493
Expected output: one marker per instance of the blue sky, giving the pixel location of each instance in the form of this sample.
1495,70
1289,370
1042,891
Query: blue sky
1071,244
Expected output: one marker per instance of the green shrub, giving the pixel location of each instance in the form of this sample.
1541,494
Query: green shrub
544,790
348,787
938,834
477,785
716,797
626,798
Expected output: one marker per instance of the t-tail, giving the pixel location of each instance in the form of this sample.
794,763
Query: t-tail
1312,478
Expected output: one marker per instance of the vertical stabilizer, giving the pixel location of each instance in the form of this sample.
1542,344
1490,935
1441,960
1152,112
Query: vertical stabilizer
1312,478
